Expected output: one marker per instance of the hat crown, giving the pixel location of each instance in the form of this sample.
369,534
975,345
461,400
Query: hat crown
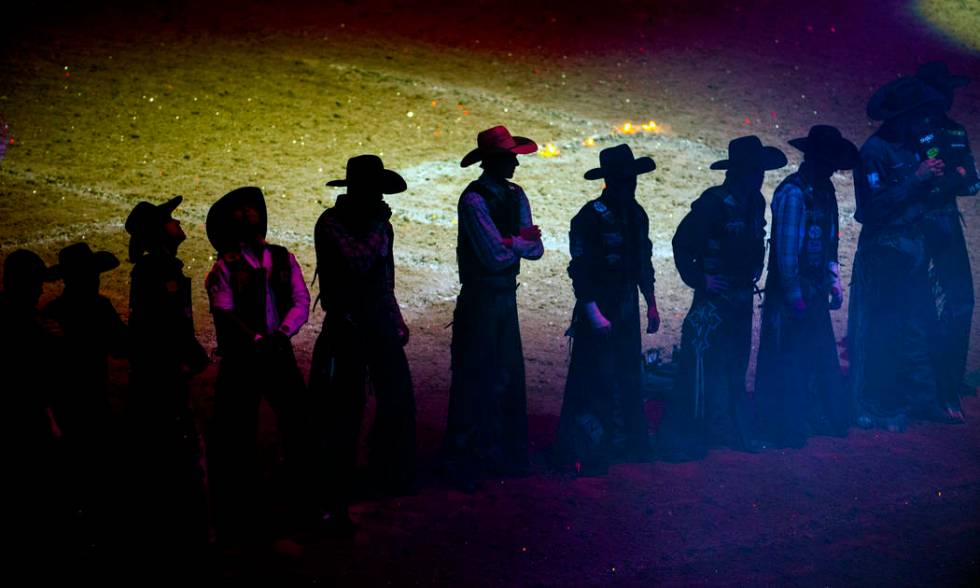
23,267
745,149
496,138
618,157
364,165
823,133
907,91
141,217
74,253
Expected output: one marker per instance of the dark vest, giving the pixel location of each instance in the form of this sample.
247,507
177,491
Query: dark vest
344,291
732,245
505,212
617,241
248,292
818,237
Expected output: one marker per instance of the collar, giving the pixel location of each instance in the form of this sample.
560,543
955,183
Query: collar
496,188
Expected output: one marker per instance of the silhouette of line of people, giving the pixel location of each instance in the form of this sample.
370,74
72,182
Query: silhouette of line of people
909,325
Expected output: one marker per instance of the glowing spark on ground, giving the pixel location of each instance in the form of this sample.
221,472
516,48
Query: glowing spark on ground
588,142
549,150
627,128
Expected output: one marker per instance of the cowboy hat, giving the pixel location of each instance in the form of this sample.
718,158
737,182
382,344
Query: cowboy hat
618,161
496,141
825,142
748,152
220,225
936,74
145,219
369,172
23,267
78,258
900,96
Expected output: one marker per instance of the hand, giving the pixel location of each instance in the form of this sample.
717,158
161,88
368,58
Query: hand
507,241
403,334
836,296
798,308
273,340
930,168
653,318
715,284
599,323
532,233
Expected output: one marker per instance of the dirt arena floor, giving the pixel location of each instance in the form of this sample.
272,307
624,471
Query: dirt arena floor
118,105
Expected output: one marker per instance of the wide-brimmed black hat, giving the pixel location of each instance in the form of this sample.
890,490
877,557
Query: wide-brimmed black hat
23,268
618,161
748,152
145,221
825,142
79,259
936,74
368,172
900,96
497,141
220,224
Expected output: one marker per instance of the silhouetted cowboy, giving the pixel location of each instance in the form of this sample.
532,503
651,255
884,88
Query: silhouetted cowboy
259,301
487,425
170,501
363,337
92,332
945,243
37,511
892,314
719,250
602,415
799,388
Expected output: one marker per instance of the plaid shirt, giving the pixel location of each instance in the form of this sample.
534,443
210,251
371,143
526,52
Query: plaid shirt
789,225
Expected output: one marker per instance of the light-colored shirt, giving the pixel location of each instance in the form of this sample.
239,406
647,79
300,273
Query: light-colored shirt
220,292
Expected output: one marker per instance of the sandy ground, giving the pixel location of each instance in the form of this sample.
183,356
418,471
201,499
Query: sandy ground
110,109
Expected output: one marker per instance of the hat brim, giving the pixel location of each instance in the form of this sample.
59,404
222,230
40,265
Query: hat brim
640,165
522,146
876,106
770,158
97,263
843,154
171,205
390,182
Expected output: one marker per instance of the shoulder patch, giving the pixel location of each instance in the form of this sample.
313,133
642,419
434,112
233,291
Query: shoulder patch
599,206
873,180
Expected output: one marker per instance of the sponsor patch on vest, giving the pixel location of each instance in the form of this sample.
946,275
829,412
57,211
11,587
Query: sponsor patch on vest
873,179
612,239
735,227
